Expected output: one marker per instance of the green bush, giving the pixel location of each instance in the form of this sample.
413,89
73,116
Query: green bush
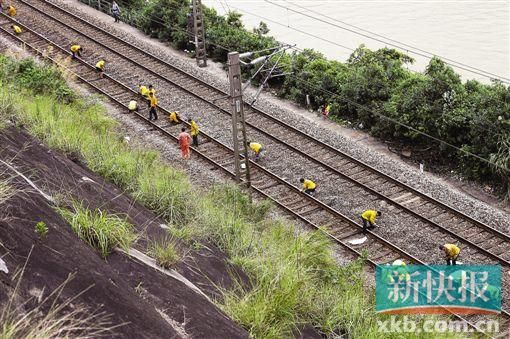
41,80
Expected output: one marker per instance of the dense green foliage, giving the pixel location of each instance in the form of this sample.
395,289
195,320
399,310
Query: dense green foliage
294,279
373,89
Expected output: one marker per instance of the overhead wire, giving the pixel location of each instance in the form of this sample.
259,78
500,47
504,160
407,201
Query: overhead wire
390,39
420,52
293,28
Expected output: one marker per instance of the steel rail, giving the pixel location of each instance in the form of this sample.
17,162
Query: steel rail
276,120
294,149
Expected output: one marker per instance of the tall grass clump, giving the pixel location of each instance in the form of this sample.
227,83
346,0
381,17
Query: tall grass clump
99,229
165,252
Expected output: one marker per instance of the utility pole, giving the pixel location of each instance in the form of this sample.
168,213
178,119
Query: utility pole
198,23
242,163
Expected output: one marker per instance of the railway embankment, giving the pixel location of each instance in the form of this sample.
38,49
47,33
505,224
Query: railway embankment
290,280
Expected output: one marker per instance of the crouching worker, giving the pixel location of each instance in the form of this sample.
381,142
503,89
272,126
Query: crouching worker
76,50
174,117
16,29
308,186
257,148
100,68
368,218
451,252
11,11
133,106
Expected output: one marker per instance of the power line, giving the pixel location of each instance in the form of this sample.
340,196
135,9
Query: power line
394,121
462,66
293,28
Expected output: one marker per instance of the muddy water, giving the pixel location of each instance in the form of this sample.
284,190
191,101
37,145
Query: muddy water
474,33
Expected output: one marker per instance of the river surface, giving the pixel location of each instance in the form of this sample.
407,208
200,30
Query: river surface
473,33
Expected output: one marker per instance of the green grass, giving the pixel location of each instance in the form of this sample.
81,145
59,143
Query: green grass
295,280
165,252
41,229
99,229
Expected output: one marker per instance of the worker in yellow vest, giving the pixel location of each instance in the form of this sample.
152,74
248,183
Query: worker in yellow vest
153,105
100,67
174,117
308,186
398,270
257,148
16,29
11,11
451,252
368,218
133,106
144,91
151,90
194,131
76,50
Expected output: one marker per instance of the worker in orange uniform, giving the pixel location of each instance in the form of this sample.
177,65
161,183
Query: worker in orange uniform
11,11
153,105
257,148
308,186
16,29
194,131
368,218
76,50
184,140
100,67
174,117
451,252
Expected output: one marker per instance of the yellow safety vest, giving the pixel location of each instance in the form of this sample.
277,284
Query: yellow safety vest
173,117
144,91
194,128
100,64
451,250
369,215
255,147
132,105
154,101
16,29
11,11
75,48
308,184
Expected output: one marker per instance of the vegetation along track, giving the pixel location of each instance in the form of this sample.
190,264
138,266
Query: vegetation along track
305,208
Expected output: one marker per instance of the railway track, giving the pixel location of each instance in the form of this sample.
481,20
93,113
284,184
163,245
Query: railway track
286,196
324,159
